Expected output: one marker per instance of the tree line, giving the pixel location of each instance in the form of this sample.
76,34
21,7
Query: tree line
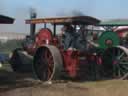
10,45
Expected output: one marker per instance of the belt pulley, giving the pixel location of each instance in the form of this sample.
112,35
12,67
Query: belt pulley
108,39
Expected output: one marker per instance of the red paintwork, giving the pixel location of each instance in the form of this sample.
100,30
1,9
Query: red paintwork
121,31
55,41
44,36
120,34
71,61
71,58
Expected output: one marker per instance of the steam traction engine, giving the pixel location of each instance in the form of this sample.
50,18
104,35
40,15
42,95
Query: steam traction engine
66,54
79,51
115,58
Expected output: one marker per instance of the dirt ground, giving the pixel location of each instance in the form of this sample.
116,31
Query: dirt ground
14,84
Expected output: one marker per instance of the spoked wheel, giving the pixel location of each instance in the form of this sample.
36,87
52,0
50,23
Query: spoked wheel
115,62
47,63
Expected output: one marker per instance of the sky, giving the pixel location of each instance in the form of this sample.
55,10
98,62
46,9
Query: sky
19,9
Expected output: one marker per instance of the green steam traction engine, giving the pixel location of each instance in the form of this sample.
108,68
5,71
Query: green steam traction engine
115,44
113,50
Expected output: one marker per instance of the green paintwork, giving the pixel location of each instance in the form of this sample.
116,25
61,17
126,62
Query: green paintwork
115,22
108,35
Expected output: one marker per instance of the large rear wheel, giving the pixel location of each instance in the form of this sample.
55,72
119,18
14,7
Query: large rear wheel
115,62
47,63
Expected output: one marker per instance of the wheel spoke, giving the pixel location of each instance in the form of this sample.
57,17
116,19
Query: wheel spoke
124,67
121,55
119,72
125,63
50,63
123,71
49,73
118,52
120,67
46,54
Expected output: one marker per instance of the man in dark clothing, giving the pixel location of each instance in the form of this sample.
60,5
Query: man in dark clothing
68,36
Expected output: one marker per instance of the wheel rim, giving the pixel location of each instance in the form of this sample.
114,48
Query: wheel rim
50,63
120,64
117,60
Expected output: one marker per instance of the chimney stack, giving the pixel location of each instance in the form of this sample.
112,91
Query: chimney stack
32,26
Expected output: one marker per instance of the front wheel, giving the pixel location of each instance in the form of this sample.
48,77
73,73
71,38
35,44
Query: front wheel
20,61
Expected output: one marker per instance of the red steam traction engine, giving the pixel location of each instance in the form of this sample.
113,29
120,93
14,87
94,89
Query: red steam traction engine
55,55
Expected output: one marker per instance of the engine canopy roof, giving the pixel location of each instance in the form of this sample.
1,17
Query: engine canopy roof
6,20
76,20
115,22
